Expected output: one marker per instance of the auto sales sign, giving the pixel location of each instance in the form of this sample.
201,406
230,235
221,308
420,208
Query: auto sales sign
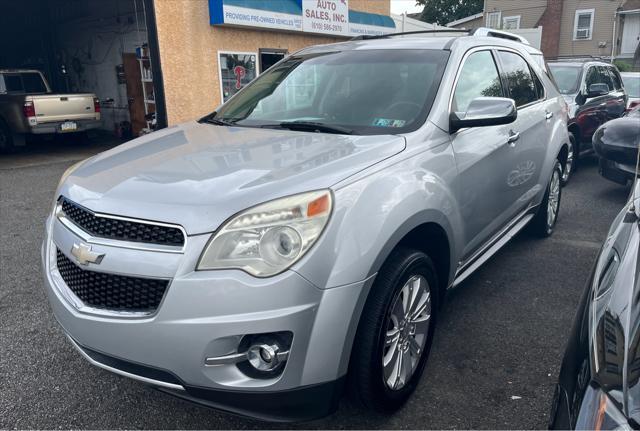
329,17
325,17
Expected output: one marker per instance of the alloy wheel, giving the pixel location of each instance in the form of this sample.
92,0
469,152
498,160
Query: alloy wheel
554,199
407,329
568,165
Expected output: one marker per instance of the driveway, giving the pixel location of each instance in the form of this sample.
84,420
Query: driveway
494,361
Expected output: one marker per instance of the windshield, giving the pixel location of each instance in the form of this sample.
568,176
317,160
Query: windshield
632,84
362,92
567,77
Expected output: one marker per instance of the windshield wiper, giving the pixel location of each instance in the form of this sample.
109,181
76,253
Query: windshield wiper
220,122
311,126
211,119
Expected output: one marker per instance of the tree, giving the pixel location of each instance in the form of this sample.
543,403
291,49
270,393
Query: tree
444,11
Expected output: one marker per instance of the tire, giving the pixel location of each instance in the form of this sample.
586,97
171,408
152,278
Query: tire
545,219
573,154
381,388
6,139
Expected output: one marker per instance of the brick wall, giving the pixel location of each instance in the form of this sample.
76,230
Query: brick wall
550,22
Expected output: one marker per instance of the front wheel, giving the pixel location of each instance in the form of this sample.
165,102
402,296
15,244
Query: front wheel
395,332
545,219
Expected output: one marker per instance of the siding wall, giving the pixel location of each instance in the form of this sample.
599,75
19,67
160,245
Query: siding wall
189,48
530,11
602,27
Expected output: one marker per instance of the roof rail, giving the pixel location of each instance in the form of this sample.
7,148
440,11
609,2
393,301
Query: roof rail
383,36
484,31
481,31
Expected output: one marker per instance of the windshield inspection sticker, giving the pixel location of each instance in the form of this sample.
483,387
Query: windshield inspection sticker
388,122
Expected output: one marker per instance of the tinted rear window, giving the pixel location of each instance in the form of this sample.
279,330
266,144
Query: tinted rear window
567,77
24,83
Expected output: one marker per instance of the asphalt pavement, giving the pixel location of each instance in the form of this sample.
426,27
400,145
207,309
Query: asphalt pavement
493,365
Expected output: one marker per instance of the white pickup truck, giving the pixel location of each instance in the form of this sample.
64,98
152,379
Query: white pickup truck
27,106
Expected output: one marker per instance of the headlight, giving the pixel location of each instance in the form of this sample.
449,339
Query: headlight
268,239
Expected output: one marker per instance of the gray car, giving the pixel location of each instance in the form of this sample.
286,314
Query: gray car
301,238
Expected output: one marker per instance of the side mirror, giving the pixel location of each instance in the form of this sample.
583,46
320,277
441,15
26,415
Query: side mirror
484,111
596,90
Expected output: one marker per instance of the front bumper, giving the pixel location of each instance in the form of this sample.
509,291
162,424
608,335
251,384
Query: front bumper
616,172
205,314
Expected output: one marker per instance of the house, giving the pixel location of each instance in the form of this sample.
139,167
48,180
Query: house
606,28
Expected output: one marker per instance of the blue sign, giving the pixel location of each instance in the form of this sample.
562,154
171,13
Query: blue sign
288,15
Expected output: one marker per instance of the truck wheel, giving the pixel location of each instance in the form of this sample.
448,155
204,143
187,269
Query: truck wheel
395,332
545,219
6,138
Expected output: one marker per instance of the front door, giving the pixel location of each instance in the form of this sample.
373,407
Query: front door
630,35
484,157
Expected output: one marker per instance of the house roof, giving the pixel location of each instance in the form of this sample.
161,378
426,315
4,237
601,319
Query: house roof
466,19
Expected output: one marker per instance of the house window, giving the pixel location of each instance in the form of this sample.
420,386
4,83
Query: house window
237,69
583,26
511,22
493,19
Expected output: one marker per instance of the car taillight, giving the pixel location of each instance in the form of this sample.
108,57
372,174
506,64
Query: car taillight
96,104
28,109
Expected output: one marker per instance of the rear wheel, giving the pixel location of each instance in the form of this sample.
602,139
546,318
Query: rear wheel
545,219
572,158
395,332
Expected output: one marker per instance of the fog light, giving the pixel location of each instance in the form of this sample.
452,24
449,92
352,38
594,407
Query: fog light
264,357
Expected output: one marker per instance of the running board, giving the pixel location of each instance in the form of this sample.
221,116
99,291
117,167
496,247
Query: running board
466,270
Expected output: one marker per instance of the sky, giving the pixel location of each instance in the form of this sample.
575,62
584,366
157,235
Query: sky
401,6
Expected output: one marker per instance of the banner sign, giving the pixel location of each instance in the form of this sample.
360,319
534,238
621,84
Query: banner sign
329,17
235,15
325,17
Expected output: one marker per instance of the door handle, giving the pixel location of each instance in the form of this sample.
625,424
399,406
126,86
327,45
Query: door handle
548,115
513,137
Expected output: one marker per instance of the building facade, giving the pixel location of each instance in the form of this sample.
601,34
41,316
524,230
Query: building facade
208,50
605,28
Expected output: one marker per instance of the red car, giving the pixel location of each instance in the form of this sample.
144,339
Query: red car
595,94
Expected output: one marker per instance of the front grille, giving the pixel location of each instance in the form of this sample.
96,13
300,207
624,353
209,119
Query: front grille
111,291
123,230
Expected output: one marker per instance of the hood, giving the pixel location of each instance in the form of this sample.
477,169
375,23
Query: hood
198,175
615,316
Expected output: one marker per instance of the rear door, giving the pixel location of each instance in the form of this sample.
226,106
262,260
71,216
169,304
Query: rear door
533,126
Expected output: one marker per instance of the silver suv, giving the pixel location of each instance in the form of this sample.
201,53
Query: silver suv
302,237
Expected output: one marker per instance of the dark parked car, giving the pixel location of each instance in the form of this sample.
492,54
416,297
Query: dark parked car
615,144
599,383
595,94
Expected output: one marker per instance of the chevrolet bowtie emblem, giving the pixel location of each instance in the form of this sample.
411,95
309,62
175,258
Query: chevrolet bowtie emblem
84,255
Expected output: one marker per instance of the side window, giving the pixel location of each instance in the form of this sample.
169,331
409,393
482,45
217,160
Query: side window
13,84
478,78
591,77
605,78
616,78
521,85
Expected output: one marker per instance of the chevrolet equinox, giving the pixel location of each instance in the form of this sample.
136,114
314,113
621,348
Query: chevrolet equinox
299,240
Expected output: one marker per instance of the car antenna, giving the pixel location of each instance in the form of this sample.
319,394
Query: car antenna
632,213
